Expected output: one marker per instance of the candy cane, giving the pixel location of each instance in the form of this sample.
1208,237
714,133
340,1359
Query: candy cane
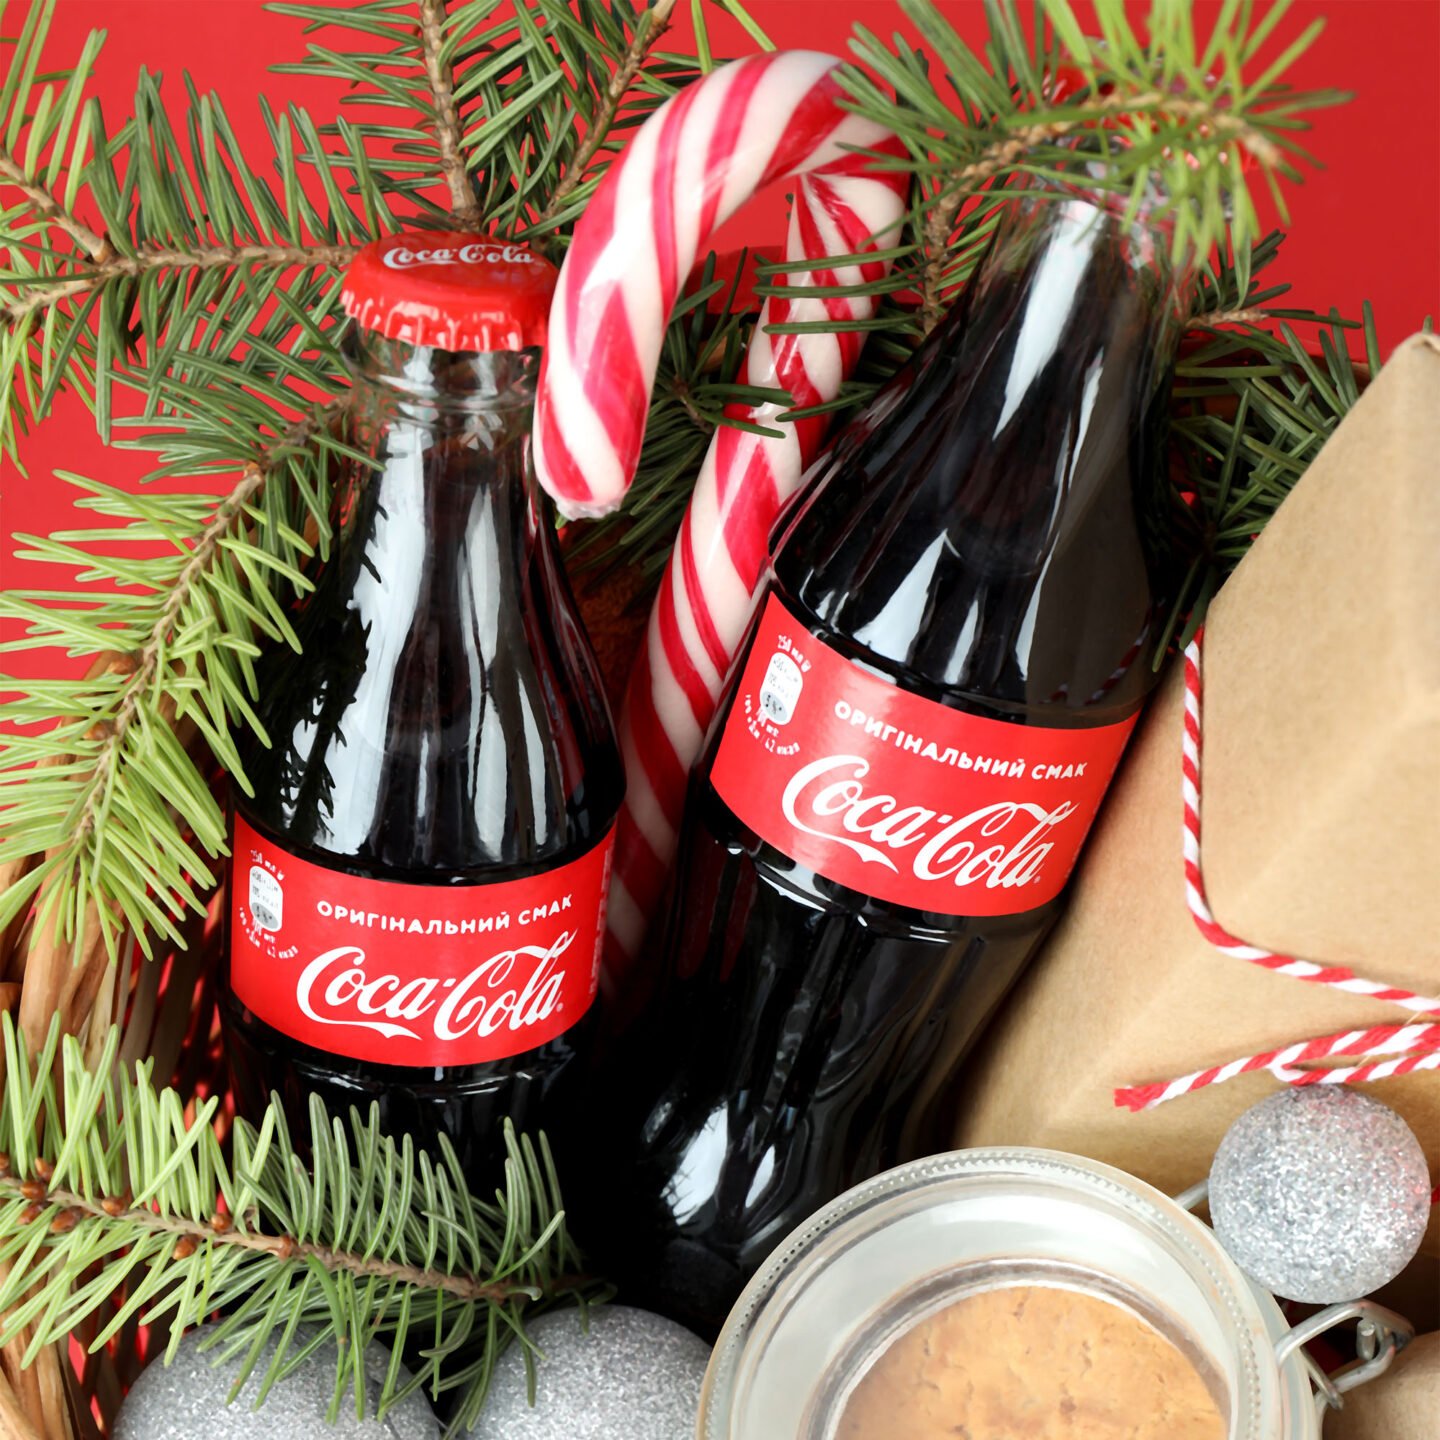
689,167
1412,1046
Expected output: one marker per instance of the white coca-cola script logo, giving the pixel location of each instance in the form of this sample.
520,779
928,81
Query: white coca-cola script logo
335,989
480,252
826,799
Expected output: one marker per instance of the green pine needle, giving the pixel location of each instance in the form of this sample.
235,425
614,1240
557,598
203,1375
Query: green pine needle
129,823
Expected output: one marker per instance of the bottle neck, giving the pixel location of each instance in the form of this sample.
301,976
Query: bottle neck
438,643
488,396
442,529
448,436
1068,270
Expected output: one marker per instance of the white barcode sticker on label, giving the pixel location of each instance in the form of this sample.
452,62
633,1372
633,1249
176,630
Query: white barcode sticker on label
781,688
267,899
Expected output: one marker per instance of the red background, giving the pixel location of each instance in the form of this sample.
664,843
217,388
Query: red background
1367,226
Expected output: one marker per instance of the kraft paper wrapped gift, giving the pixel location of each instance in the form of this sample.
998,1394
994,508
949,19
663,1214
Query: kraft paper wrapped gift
1404,1404
1321,813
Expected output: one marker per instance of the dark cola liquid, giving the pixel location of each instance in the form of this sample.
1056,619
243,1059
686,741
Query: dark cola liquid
444,725
983,539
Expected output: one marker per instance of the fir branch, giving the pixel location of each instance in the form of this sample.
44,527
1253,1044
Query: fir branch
448,134
45,132
68,1208
148,261
195,234
1203,113
512,92
126,817
653,24
49,209
939,227
105,1168
938,274
194,245
1023,141
229,519
1156,125
1221,319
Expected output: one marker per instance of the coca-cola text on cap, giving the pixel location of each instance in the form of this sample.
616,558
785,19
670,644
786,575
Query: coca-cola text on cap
451,291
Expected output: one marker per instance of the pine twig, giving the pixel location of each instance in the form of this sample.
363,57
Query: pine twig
681,389
229,518
656,22
1144,99
959,186
1202,113
210,257
67,1208
183,661
104,1168
1216,319
96,246
1006,153
448,131
939,227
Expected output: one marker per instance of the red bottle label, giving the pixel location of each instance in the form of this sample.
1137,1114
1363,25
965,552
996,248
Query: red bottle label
423,975
897,796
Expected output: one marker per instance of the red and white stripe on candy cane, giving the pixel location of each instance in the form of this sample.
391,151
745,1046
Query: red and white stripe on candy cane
689,167
1412,1046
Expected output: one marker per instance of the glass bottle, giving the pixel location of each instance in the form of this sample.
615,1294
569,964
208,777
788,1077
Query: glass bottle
948,654
419,876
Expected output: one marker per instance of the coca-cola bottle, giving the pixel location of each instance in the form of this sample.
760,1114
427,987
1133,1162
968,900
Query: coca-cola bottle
419,876
947,656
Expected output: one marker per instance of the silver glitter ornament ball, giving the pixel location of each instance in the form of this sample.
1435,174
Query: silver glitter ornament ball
186,1401
1320,1194
631,1376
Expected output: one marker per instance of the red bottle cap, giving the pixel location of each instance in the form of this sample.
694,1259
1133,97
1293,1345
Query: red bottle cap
451,291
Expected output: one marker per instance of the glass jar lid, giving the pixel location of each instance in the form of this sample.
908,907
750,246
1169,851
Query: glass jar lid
905,1245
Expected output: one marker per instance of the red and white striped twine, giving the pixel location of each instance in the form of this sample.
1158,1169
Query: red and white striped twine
1409,1047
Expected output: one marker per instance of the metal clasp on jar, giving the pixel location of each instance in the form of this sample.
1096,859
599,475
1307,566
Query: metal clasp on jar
1380,1336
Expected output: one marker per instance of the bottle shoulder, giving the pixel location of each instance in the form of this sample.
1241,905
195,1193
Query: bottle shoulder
894,661
437,727
1012,561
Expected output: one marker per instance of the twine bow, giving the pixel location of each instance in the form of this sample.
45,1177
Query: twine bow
1407,1047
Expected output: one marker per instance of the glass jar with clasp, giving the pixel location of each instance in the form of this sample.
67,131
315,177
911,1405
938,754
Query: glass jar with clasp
903,1247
